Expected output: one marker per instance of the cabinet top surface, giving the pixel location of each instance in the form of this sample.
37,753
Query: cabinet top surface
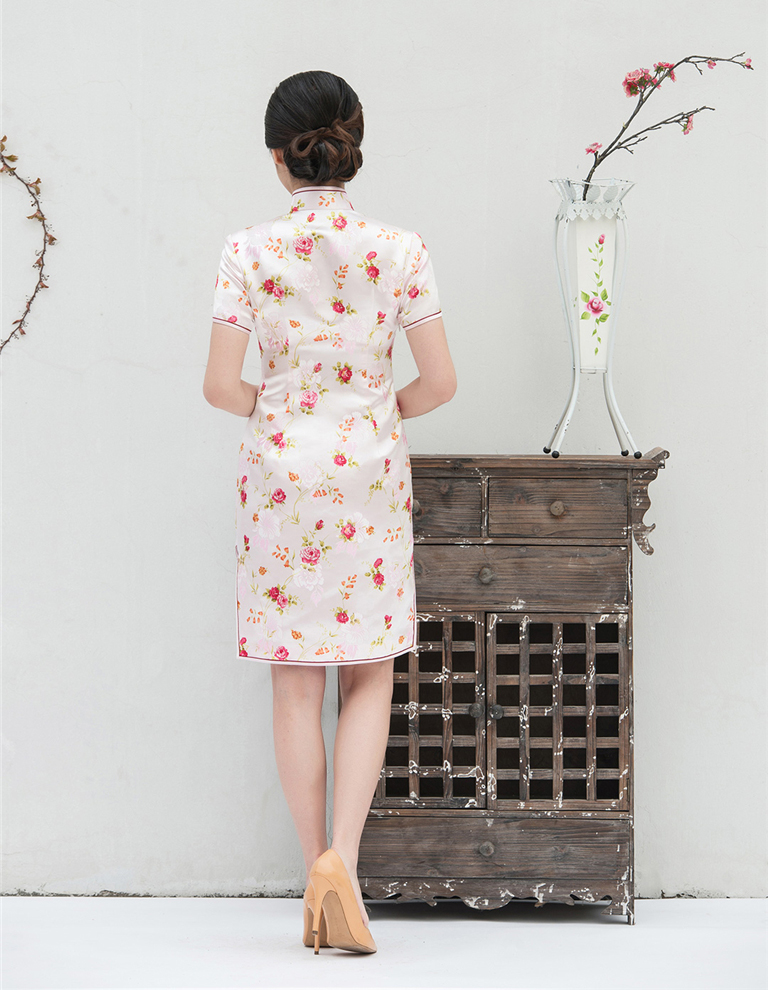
539,463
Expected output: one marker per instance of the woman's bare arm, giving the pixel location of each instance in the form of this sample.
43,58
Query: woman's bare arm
223,387
436,383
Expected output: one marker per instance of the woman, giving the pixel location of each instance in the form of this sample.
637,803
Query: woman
324,532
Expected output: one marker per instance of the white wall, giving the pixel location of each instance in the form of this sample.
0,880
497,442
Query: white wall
138,745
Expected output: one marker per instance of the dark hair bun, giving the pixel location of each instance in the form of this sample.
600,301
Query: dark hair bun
316,119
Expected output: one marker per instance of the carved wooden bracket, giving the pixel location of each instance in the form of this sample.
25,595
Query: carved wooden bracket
639,500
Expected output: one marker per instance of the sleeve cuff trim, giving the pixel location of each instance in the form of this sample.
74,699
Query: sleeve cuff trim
229,323
424,319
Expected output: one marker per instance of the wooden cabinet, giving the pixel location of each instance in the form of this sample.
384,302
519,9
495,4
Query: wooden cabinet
508,771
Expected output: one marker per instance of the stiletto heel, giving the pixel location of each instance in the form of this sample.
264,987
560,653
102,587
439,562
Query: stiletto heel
336,906
309,924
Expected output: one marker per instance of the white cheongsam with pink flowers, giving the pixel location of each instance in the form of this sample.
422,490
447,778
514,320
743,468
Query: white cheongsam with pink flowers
324,531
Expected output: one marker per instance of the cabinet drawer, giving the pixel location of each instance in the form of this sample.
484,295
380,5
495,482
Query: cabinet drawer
447,506
569,578
566,508
545,848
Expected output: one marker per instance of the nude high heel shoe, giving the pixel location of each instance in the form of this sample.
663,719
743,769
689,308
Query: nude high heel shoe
336,904
309,915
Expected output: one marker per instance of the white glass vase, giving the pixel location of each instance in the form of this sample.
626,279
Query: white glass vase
590,247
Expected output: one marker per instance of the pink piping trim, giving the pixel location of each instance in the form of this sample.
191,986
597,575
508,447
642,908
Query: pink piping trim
423,320
229,323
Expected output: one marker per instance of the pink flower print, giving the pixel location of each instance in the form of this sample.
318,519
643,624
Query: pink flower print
688,126
711,63
281,601
278,495
339,223
601,239
413,292
387,462
338,306
381,316
341,616
372,271
345,374
595,305
388,621
243,647
408,503
243,496
378,562
318,367
340,459
319,524
370,256
378,578
748,63
278,440
309,399
303,245
269,285
246,543
279,292
594,148
232,319
310,555
348,531
234,245
274,593
281,653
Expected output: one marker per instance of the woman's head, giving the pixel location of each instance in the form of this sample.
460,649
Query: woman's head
316,121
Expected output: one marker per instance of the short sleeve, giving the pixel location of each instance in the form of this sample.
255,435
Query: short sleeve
231,304
419,301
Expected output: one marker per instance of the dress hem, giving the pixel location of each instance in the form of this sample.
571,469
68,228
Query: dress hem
327,663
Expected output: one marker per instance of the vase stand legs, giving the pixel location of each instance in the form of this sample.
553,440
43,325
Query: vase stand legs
626,441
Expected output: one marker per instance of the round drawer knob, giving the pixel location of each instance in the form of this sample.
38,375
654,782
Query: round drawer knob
486,849
496,711
476,709
485,575
415,507
557,508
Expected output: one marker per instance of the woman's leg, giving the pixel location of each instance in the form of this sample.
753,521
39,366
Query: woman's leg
297,701
359,751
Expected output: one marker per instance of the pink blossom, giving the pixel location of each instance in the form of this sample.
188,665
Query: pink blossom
311,217
748,63
274,593
381,316
232,319
319,524
601,239
281,653
711,63
370,256
303,245
281,601
269,285
378,562
279,292
318,366
595,305
309,399
413,292
378,578
340,223
660,66
688,126
278,495
243,647
338,306
372,271
310,555
345,374
593,148
348,531
340,459
342,616
636,81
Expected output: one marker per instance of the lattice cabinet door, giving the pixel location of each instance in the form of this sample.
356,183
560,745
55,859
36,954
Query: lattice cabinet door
436,750
559,711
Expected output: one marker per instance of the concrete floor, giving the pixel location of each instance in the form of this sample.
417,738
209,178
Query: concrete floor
222,943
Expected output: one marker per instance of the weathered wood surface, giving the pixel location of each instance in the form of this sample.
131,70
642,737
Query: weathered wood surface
519,578
547,848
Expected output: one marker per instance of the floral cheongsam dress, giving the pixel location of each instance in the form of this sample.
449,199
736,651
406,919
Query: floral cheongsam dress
323,523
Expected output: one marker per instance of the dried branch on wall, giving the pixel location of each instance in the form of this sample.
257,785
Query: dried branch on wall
33,188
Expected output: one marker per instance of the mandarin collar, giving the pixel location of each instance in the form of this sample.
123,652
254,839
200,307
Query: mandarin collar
320,197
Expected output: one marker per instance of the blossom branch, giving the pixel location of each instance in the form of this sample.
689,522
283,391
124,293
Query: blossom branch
33,188
642,83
